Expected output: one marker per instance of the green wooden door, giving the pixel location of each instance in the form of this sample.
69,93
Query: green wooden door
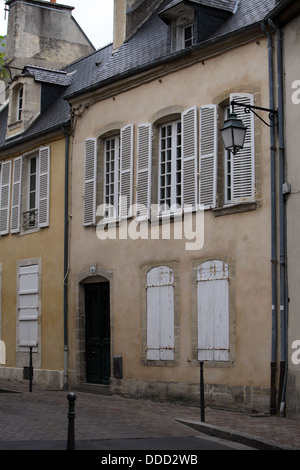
97,332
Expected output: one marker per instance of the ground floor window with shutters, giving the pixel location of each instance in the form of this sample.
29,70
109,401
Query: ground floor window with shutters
213,310
28,304
161,315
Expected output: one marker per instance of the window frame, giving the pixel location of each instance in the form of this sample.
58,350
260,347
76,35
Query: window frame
175,186
117,181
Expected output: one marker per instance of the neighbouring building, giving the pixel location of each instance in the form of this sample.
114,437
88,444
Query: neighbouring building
34,152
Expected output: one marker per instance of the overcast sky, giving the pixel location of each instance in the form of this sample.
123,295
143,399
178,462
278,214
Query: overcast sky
95,17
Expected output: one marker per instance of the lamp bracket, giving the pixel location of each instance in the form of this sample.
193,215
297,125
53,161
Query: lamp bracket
248,108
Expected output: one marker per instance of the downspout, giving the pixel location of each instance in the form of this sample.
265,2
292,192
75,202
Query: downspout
66,256
273,364
282,215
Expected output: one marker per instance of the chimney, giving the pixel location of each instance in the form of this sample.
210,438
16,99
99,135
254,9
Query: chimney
53,1
129,15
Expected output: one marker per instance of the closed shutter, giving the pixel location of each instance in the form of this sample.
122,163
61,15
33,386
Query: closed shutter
160,314
5,176
90,175
189,157
28,305
16,196
208,156
213,311
44,187
126,171
143,191
243,161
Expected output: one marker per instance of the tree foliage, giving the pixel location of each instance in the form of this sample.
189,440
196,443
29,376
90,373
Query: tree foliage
3,72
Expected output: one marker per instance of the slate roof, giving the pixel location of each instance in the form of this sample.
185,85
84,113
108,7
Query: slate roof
227,5
145,49
40,74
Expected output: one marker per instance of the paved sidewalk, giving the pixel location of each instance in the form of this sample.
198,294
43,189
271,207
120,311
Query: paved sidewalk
41,415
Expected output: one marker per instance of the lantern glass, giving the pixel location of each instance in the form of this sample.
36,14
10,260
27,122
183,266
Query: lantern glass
233,133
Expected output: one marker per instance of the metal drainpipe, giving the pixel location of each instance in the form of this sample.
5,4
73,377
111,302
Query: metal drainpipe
66,257
273,363
282,215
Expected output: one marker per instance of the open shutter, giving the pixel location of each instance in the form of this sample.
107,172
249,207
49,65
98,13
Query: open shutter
143,191
208,156
5,197
90,174
16,196
44,186
160,314
213,311
189,157
243,162
126,171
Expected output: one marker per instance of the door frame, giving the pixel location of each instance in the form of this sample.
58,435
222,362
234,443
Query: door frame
85,277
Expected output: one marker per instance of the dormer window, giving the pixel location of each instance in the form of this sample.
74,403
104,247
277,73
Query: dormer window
188,36
20,103
191,22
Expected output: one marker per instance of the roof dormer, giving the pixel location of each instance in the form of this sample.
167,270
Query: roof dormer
24,104
192,21
30,94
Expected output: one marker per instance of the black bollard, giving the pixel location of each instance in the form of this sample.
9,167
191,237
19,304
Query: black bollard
202,405
71,427
30,369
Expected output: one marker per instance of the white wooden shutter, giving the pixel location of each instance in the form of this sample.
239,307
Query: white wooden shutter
160,314
213,311
126,171
16,196
208,156
44,187
90,179
143,191
28,305
244,161
5,176
189,157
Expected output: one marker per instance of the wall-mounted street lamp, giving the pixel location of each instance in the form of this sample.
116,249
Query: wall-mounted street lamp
233,131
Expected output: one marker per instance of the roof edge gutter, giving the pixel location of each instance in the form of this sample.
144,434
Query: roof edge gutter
163,60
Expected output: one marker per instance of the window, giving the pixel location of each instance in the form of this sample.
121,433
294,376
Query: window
160,313
112,176
170,164
30,219
20,104
28,305
117,163
188,36
30,192
213,311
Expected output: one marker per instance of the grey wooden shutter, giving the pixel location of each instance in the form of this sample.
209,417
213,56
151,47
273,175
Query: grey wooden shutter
244,161
5,197
16,196
126,171
143,191
189,157
208,156
213,311
28,305
160,314
44,187
90,179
